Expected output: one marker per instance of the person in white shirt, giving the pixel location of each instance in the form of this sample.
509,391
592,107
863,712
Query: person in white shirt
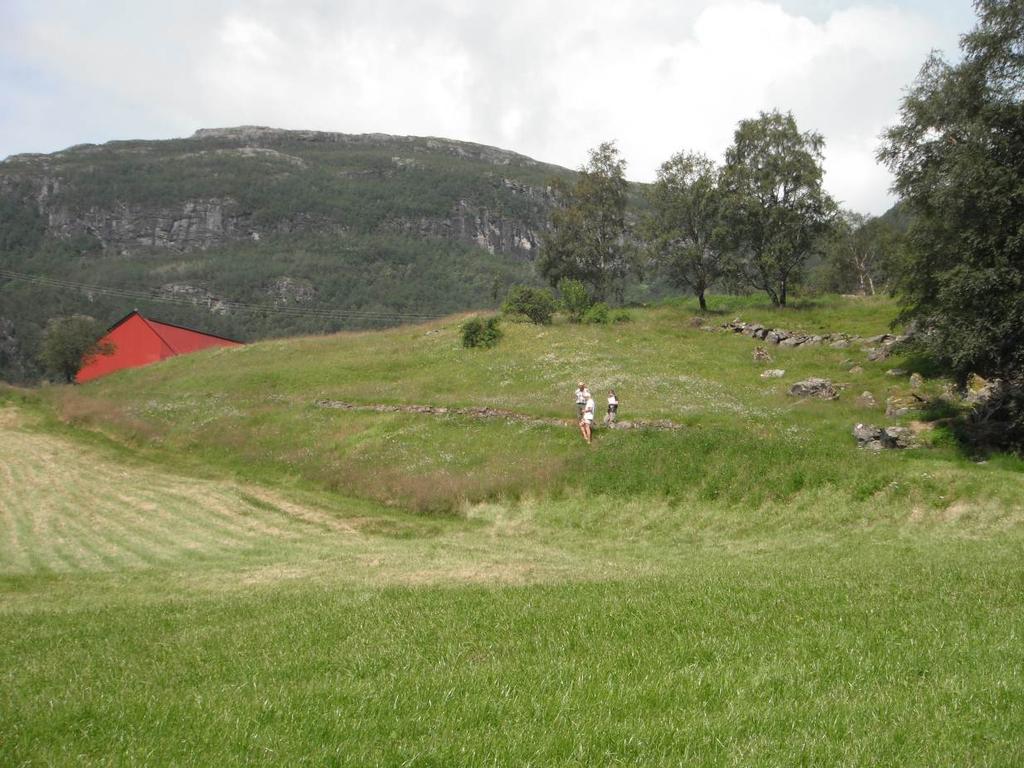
613,408
582,395
587,422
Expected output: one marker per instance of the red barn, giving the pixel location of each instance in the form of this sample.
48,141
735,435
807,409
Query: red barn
138,340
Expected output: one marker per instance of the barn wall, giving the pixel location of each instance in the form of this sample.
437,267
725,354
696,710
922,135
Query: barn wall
134,343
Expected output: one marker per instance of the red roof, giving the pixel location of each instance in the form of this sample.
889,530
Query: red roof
138,341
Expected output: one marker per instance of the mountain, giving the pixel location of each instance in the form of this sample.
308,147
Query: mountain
214,229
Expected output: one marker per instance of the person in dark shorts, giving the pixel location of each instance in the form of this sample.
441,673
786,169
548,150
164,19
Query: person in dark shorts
613,408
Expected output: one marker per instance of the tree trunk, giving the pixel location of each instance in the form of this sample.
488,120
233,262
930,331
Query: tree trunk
782,295
701,301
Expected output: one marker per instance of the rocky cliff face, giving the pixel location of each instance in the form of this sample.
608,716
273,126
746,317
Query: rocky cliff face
192,225
478,225
197,222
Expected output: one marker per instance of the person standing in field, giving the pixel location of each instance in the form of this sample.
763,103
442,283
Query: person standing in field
582,395
613,408
587,420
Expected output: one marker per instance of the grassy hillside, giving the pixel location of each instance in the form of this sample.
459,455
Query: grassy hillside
744,440
227,573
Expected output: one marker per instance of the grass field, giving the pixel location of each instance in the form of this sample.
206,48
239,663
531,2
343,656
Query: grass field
199,566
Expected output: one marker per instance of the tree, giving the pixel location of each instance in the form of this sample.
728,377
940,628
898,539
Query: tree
861,255
69,343
575,299
957,154
587,240
774,207
536,304
682,227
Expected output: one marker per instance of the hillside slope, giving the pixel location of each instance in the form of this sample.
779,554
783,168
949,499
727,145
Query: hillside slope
378,226
281,409
276,555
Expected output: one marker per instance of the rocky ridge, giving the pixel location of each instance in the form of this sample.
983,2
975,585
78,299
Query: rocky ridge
198,222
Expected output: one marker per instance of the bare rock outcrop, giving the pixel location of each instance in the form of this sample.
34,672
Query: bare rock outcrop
475,224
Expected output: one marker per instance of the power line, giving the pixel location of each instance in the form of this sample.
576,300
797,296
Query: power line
326,313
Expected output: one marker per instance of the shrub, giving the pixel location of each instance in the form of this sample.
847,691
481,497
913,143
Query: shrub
535,304
480,333
575,299
621,316
598,314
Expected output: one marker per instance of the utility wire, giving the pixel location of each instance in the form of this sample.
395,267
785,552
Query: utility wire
327,313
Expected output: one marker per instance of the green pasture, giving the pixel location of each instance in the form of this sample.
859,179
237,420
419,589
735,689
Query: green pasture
200,566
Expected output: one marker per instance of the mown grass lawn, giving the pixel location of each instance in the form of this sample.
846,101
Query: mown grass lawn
198,566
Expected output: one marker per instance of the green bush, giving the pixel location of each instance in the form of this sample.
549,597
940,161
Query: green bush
535,304
621,316
597,314
575,299
480,333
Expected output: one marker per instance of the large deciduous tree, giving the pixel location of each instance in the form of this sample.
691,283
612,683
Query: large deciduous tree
682,226
774,207
71,342
957,153
587,240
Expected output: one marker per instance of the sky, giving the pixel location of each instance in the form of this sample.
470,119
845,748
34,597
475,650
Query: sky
545,78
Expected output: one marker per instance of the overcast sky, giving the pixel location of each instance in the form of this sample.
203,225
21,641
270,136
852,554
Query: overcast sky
548,79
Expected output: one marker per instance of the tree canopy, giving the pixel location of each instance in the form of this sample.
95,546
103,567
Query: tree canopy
862,255
69,343
774,207
587,239
957,154
682,227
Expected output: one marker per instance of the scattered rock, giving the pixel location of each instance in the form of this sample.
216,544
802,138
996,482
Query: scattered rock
822,389
901,405
841,344
874,438
877,353
866,400
761,355
898,437
856,370
792,341
916,381
696,322
868,436
487,413
773,373
896,372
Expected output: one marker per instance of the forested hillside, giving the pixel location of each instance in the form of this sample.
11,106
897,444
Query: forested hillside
385,229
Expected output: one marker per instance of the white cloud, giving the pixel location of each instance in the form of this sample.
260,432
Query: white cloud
546,79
